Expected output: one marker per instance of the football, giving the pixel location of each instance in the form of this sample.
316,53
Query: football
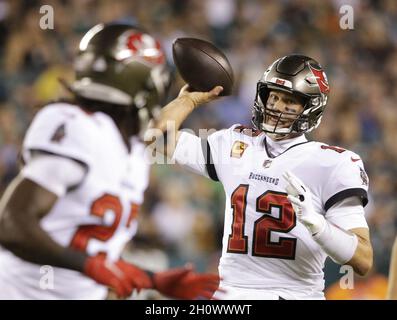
202,65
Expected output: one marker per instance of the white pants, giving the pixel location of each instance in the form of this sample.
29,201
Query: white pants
239,293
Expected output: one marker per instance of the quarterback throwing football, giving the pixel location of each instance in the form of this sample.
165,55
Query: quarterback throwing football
290,202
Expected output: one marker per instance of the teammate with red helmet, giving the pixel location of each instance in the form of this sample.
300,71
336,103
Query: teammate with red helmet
73,206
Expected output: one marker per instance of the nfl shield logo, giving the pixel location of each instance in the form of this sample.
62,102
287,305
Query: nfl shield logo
267,163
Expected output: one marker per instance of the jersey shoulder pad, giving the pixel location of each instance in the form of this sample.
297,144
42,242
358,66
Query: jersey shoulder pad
334,154
63,129
346,175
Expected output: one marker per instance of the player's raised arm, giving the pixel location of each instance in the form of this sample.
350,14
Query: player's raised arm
172,116
392,287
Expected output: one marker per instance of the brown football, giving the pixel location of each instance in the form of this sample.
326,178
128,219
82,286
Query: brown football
202,65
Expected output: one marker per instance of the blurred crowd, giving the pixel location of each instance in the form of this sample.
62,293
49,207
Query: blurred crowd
182,219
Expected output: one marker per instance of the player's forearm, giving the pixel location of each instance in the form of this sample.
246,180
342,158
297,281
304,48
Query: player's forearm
163,131
350,247
173,114
171,117
31,243
23,205
392,287
363,257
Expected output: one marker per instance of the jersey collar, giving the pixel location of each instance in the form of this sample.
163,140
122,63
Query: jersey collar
276,148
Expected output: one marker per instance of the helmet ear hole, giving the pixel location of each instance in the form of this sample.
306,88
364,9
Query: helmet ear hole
263,92
140,99
315,116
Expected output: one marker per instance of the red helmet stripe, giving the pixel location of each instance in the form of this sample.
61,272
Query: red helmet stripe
321,79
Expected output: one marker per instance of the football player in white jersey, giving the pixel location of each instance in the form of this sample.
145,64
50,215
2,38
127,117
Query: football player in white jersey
74,204
290,202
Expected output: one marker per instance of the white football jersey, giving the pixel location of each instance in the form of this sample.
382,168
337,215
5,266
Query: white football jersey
264,246
96,216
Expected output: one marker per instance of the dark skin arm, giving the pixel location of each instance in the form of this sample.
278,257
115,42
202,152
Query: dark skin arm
22,207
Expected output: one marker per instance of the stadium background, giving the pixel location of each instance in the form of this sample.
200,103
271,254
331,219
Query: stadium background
182,219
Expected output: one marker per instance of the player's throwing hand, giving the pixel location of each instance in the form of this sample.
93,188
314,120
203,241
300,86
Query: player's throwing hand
199,98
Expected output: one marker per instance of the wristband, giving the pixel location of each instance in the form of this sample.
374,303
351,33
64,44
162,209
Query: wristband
339,244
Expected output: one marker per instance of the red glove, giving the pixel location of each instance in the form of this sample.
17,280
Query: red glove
184,283
122,277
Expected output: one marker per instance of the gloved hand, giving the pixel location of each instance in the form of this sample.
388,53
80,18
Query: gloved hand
121,276
301,199
184,283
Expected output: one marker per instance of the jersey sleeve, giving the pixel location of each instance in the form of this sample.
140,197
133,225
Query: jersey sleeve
347,179
62,130
347,214
189,153
205,156
56,174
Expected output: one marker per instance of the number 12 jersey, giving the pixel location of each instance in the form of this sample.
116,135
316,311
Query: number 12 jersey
264,245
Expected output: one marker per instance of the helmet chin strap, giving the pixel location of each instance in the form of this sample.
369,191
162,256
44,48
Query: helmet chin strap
270,128
276,137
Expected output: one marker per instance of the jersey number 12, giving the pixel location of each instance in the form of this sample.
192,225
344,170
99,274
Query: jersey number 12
262,244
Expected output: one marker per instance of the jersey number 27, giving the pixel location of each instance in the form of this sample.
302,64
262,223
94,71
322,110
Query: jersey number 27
102,232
